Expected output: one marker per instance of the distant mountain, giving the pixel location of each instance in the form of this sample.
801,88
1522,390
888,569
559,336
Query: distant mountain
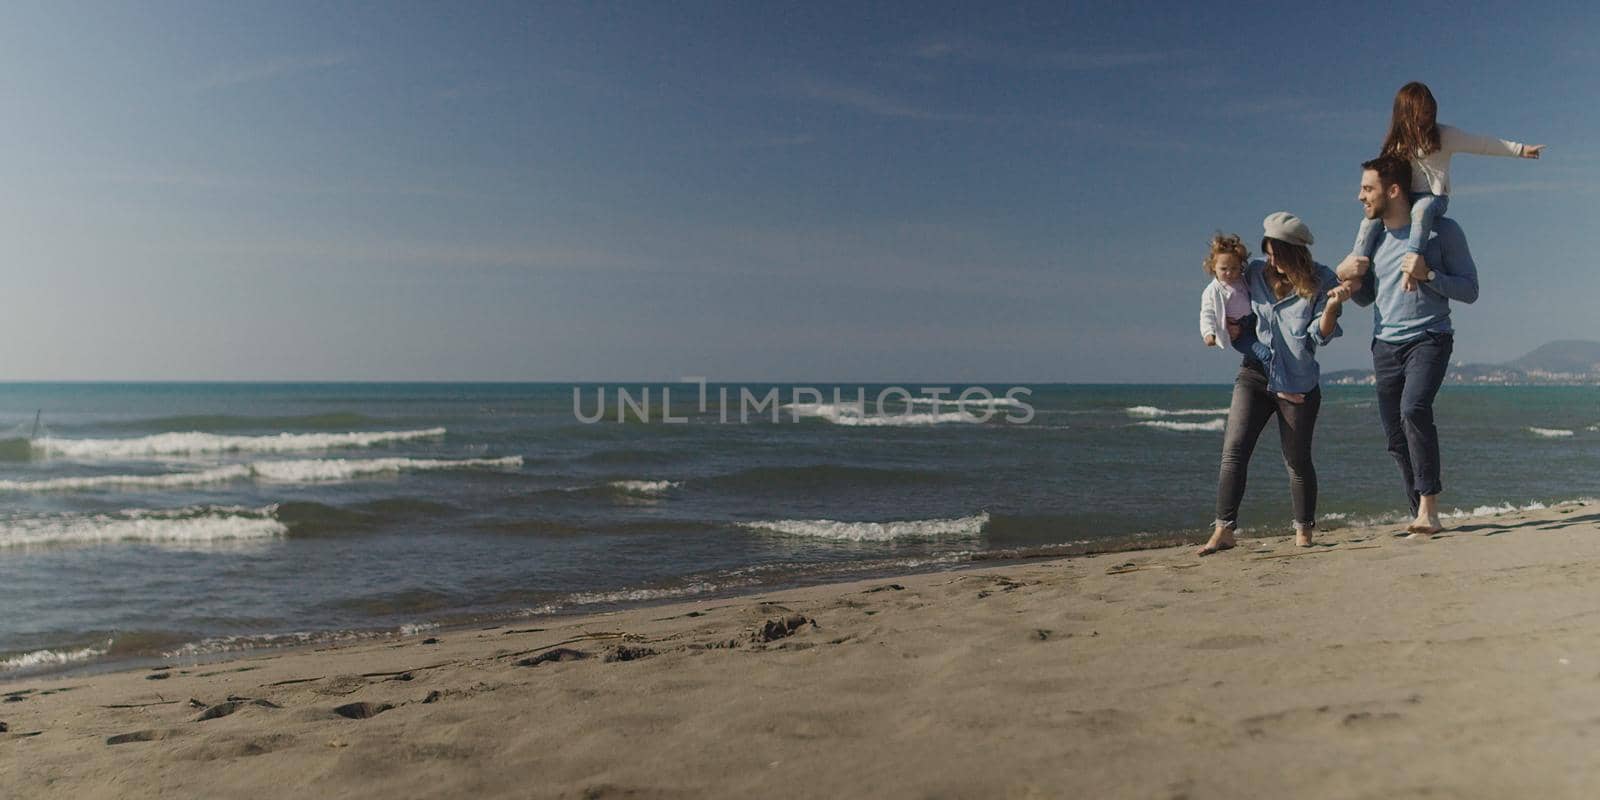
1574,356
1563,363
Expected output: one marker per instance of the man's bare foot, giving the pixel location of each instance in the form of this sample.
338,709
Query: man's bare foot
1426,523
1302,538
1424,526
1292,397
1221,539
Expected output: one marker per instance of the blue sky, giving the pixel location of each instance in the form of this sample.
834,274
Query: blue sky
746,191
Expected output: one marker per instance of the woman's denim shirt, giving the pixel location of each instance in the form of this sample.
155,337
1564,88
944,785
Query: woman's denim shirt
1291,328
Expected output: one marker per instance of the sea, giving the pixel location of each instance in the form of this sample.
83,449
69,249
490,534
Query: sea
147,523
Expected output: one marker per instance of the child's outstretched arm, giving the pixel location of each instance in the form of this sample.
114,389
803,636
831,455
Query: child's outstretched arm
1456,140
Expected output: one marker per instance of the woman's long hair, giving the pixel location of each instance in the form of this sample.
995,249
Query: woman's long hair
1414,128
1299,271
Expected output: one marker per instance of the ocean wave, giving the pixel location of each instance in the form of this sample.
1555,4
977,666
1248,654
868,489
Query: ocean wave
874,531
309,519
167,480
199,525
645,488
1213,425
52,658
630,596
1550,433
976,402
194,443
1493,511
216,645
338,469
299,471
849,414
1152,411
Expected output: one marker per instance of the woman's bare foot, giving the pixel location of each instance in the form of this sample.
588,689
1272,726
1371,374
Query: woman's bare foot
1302,538
1221,539
1292,397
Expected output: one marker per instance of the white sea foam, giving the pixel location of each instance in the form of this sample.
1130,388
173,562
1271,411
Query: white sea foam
976,402
1152,411
268,641
189,526
338,469
1550,433
849,414
51,658
194,442
167,480
1491,511
1213,425
298,471
646,488
627,596
874,531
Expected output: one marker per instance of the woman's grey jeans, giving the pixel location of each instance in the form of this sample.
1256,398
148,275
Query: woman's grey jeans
1253,407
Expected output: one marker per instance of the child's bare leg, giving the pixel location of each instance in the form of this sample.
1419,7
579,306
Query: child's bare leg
1353,267
1409,263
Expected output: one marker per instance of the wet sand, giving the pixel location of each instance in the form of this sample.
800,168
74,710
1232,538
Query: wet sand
1368,666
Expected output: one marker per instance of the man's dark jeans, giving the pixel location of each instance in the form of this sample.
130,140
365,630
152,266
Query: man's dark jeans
1408,377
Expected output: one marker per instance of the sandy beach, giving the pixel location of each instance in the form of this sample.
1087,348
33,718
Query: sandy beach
1368,666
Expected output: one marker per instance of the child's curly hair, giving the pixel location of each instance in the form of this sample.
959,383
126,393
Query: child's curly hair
1225,244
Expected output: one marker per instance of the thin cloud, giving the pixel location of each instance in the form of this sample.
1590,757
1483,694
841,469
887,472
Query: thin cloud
871,102
1349,124
1075,60
222,182
270,70
412,253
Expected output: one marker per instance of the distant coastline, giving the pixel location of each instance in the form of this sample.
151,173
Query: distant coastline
1570,362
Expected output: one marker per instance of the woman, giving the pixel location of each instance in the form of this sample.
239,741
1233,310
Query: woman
1297,303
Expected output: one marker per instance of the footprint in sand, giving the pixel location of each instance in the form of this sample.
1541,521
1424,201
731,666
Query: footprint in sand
553,655
232,705
361,710
140,736
781,627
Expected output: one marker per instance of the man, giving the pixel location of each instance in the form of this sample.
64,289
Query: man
1412,336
